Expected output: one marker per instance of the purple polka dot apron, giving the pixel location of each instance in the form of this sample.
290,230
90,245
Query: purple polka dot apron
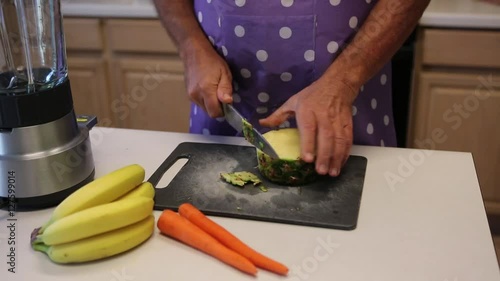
276,48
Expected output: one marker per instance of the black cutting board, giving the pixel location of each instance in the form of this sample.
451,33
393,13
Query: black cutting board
328,202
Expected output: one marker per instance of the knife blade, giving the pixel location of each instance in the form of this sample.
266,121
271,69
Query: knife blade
236,120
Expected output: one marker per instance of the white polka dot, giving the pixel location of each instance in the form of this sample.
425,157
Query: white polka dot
224,50
236,86
285,124
374,103
382,143
239,31
195,110
353,22
200,17
286,76
368,1
285,32
236,98
362,88
240,3
309,55
218,22
369,128
354,110
335,2
261,55
206,131
261,109
220,119
209,1
263,97
386,120
287,3
245,73
383,79
211,40
332,47
190,123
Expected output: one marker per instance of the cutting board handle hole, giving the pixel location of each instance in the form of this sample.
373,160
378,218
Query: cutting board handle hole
169,174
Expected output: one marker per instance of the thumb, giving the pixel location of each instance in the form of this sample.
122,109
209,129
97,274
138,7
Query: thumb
225,89
279,116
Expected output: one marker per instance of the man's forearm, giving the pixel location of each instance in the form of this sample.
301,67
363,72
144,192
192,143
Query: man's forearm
382,34
177,17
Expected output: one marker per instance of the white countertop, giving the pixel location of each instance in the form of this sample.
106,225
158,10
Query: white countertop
109,8
461,14
439,13
429,226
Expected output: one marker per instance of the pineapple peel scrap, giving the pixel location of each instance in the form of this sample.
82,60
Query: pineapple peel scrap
242,178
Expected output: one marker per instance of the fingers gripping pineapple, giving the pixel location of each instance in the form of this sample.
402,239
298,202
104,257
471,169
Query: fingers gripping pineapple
289,168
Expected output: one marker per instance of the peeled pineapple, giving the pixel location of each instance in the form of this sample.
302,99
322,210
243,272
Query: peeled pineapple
289,169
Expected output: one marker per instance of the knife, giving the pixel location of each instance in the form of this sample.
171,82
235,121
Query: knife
236,120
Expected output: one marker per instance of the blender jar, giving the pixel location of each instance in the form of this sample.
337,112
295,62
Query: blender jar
34,84
32,53
41,141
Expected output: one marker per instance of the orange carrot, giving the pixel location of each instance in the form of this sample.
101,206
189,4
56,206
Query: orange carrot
175,226
199,219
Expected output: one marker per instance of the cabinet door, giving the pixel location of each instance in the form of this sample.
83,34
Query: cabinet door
88,86
461,112
149,93
87,68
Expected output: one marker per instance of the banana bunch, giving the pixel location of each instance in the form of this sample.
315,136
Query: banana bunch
108,216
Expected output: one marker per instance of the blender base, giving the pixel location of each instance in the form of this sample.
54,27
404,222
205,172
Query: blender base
41,165
44,201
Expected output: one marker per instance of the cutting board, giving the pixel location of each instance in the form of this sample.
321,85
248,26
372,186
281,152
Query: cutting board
328,202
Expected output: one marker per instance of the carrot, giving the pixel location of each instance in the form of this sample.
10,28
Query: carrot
172,224
199,219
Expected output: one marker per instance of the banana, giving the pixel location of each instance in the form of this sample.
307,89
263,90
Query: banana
101,246
96,220
145,189
100,191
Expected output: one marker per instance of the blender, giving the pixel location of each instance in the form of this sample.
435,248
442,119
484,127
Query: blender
45,150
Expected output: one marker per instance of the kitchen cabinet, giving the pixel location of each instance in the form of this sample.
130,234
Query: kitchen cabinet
149,94
455,103
127,72
88,85
87,68
147,77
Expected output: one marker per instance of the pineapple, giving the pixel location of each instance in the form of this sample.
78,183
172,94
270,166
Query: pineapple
289,169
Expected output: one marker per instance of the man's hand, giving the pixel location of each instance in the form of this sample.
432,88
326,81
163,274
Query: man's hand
324,118
208,77
208,81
